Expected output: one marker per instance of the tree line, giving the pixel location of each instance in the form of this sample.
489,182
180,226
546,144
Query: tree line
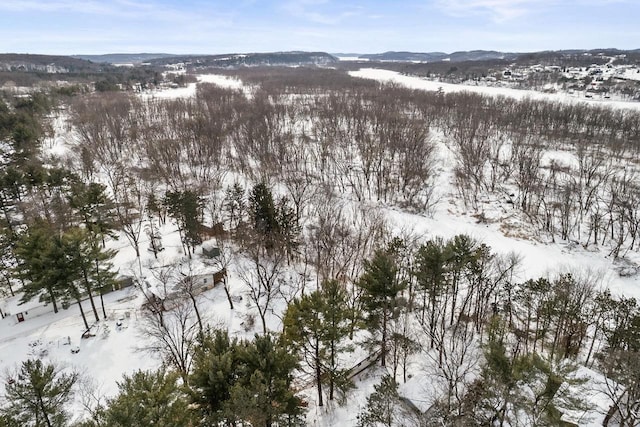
443,302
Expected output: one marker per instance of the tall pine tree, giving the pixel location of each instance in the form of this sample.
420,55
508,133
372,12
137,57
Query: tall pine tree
382,290
245,381
42,265
316,326
263,395
37,395
148,398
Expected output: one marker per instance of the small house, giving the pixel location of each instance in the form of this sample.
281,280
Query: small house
163,297
21,312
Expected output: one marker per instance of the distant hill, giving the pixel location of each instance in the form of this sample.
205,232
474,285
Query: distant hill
474,55
481,55
98,64
578,57
46,63
249,59
123,58
550,56
54,64
405,56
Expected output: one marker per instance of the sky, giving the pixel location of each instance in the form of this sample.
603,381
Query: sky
337,26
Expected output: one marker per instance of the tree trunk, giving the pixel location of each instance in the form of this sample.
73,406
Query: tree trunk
44,410
318,372
104,313
84,318
432,324
87,286
139,260
263,320
226,291
333,365
93,306
383,346
10,287
53,301
195,309
455,298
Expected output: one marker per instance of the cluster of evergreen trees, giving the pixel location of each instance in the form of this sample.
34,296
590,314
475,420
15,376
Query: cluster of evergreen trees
532,336
53,225
499,351
232,382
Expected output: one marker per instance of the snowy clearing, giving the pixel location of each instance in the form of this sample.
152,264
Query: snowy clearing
190,90
430,85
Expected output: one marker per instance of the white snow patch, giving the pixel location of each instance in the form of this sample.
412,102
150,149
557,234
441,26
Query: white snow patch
430,85
190,90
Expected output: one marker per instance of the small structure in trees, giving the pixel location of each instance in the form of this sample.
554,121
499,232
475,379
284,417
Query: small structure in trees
217,231
210,251
123,282
20,312
166,298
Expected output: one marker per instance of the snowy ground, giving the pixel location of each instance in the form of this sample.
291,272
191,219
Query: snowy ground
190,89
424,84
107,356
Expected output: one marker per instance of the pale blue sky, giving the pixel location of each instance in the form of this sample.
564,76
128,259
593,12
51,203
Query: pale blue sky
199,26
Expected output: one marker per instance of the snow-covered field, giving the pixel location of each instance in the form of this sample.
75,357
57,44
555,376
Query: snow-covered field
190,89
108,355
430,85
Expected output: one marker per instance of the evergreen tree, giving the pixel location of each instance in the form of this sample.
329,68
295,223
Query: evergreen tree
23,127
263,211
92,263
13,182
94,208
148,398
9,421
275,225
62,265
430,272
315,326
460,252
514,387
288,227
247,381
620,329
381,406
263,394
215,372
235,205
381,296
42,265
37,396
8,261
